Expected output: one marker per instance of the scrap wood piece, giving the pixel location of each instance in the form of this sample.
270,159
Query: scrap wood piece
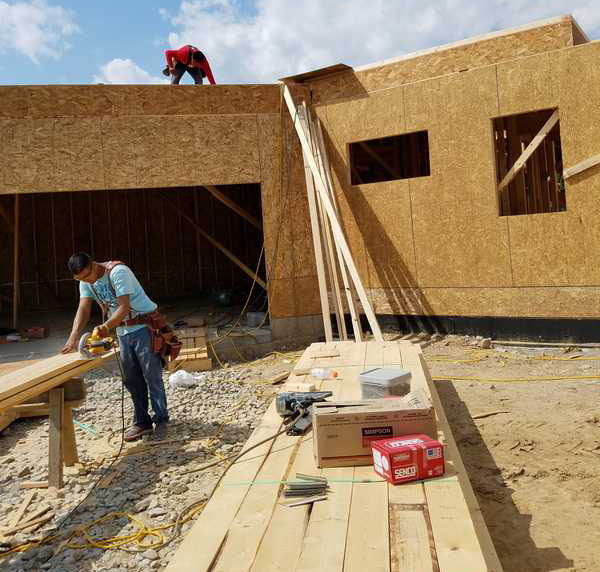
489,414
28,524
34,485
21,510
581,166
529,150
105,482
279,377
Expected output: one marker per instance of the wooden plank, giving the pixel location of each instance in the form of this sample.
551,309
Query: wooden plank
201,546
581,166
367,544
348,288
392,356
215,242
16,239
330,252
22,508
233,206
28,382
6,418
316,236
335,225
282,542
55,455
24,525
70,455
529,150
410,548
34,485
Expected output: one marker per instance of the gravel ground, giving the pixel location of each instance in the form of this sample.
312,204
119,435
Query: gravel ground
214,417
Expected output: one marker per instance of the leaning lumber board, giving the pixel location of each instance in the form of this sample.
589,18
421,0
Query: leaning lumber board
201,546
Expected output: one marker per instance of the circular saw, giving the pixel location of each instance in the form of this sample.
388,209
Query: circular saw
92,346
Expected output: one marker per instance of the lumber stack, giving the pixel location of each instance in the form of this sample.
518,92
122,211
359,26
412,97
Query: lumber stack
194,354
364,523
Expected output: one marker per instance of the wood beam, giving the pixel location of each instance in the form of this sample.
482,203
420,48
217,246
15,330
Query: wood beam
216,243
378,159
55,453
582,166
529,150
16,233
233,206
335,225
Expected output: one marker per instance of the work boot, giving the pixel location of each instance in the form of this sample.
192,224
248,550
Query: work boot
135,432
161,431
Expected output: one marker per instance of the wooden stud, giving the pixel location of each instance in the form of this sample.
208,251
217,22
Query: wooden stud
16,264
581,166
198,252
233,206
218,245
348,287
335,225
35,251
34,485
55,453
21,510
163,233
54,244
69,443
330,253
529,150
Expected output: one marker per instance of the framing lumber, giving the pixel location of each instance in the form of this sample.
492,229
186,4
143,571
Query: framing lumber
529,150
22,508
581,166
55,452
233,206
335,225
16,239
316,236
348,287
217,244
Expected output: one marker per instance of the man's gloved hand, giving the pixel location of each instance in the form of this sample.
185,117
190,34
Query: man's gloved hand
101,331
166,71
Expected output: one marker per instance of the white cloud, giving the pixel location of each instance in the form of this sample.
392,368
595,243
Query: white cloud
36,29
284,37
125,71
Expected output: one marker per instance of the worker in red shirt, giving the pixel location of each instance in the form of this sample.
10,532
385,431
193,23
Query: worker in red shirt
187,59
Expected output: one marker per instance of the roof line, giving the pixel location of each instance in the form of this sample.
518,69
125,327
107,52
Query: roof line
473,40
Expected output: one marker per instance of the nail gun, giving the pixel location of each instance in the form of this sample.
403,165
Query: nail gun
92,345
296,408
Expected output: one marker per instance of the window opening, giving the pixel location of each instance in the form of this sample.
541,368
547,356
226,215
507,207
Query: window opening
389,158
529,163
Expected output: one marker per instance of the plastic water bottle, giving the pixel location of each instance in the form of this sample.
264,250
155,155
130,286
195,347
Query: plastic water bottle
323,372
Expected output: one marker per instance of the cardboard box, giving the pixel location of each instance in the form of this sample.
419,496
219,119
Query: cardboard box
408,458
343,430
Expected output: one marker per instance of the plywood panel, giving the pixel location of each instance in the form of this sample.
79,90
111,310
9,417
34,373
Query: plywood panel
14,102
77,154
69,101
445,61
541,302
527,84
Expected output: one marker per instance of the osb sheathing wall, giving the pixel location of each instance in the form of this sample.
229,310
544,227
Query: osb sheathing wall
75,138
468,55
437,244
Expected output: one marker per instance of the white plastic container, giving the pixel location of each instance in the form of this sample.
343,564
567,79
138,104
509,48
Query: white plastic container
381,382
323,373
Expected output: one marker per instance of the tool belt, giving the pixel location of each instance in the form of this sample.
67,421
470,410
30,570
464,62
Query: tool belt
164,340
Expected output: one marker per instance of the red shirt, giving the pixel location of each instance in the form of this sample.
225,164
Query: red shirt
184,56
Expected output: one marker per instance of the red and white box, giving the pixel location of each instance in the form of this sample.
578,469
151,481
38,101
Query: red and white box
408,458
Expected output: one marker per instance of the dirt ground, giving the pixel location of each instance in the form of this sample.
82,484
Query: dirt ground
535,467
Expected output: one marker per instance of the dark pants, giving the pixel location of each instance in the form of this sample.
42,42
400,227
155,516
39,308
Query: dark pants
143,372
180,69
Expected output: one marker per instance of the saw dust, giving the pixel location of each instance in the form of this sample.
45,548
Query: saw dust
531,447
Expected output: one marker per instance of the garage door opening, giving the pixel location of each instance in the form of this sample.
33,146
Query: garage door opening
201,245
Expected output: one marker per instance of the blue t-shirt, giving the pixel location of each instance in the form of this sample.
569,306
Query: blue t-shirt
123,282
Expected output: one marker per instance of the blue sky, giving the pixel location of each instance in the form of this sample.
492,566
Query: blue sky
91,41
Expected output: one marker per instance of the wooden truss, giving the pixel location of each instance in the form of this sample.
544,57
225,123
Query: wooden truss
335,266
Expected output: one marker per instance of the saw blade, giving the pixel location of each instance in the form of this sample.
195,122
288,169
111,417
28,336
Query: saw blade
83,349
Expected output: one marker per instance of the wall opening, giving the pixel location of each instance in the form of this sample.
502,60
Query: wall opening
140,227
389,158
539,186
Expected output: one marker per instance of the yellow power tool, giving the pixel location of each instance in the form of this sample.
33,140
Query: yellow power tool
91,345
